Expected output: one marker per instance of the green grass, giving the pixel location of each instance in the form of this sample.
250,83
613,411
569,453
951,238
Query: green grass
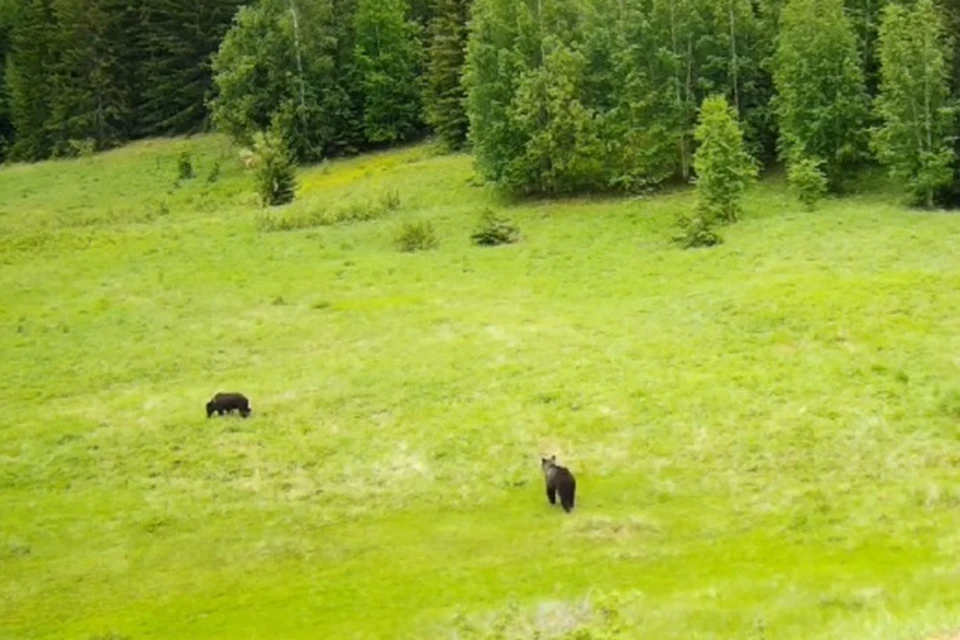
765,434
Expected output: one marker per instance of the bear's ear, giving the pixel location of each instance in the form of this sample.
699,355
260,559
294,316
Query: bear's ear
553,458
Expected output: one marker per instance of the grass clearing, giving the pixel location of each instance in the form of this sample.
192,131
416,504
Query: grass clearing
765,434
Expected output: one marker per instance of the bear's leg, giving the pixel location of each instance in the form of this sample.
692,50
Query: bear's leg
551,494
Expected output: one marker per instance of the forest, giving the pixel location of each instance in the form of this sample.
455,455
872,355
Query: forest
552,97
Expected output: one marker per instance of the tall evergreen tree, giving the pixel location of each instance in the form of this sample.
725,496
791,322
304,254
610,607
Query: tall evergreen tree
29,75
389,56
444,94
180,38
6,125
822,104
92,76
918,118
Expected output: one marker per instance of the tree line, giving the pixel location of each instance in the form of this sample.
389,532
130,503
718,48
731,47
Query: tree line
551,96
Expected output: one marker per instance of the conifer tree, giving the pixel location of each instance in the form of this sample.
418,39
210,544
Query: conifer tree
444,95
92,100
29,79
179,39
822,105
915,139
6,126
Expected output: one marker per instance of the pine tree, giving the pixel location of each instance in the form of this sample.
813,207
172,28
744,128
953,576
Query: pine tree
6,125
444,94
388,55
92,97
822,105
915,140
29,79
179,40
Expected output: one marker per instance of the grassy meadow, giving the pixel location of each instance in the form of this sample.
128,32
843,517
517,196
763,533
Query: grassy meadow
766,435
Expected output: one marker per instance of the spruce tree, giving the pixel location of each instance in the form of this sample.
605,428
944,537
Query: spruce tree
444,93
6,125
822,105
388,56
915,139
29,79
179,40
92,100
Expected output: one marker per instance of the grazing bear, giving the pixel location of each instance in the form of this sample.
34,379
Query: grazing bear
226,402
559,480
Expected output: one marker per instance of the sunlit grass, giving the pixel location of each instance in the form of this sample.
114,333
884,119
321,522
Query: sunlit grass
765,434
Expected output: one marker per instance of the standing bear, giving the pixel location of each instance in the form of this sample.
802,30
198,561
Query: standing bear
226,402
559,480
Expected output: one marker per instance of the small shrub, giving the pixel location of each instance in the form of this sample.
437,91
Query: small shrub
416,236
214,174
389,200
293,219
184,166
356,212
83,148
697,231
276,174
494,231
807,181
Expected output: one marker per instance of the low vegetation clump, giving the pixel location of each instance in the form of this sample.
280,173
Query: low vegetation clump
807,181
314,213
414,236
276,173
494,230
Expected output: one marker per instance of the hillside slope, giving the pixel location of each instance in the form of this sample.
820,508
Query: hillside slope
765,434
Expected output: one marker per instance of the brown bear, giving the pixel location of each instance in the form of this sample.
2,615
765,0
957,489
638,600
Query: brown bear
559,480
226,402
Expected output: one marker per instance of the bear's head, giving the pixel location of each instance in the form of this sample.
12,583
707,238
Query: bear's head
210,408
548,463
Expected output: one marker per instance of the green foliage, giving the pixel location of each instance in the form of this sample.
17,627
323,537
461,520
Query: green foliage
93,74
276,173
918,117
29,79
414,236
821,100
724,169
697,230
313,213
494,230
588,95
7,15
175,41
269,72
807,181
388,59
444,95
184,166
